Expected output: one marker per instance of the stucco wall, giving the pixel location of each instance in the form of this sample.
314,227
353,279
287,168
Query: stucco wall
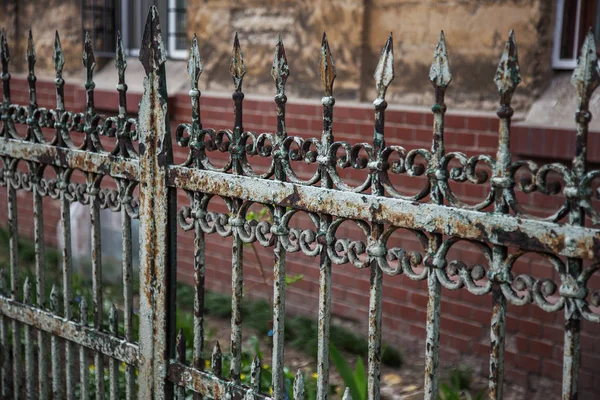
357,29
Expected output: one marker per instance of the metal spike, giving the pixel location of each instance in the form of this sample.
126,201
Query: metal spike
31,55
347,395
194,63
384,73
280,69
54,299
152,51
237,67
255,374
508,75
299,385
27,291
58,57
439,73
180,345
326,66
83,311
217,366
89,60
4,53
586,76
120,60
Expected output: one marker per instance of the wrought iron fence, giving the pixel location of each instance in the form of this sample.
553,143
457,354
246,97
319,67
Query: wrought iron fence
143,156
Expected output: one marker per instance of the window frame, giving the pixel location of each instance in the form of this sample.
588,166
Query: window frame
557,61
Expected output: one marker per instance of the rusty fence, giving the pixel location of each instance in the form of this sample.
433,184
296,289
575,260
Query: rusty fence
34,327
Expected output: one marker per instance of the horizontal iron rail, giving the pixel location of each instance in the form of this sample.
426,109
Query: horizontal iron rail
98,163
209,385
70,330
506,230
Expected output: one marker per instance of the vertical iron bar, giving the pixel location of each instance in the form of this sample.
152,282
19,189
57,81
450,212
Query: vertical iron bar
328,73
14,280
83,354
181,348
194,71
113,364
12,224
157,220
93,189
280,72
38,227
67,270
237,70
384,74
29,373
4,58
121,65
4,346
507,78
440,77
586,78
57,384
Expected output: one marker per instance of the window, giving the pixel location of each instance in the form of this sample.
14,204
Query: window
573,19
103,18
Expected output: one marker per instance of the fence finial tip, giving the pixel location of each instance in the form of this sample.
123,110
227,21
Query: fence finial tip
58,57
327,66
4,53
89,59
280,69
299,385
237,67
439,73
508,74
152,51
194,62
384,73
30,52
120,60
586,76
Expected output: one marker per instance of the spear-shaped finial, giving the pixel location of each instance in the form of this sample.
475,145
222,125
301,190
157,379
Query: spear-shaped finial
30,53
347,394
508,75
384,73
152,52
326,66
27,291
217,366
280,69
586,76
54,299
4,53
255,374
89,60
180,346
194,63
237,67
58,58
299,385
439,73
120,60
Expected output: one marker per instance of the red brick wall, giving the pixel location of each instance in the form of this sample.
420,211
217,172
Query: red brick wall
534,337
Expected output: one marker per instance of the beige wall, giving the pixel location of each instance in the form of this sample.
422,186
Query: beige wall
357,29
44,17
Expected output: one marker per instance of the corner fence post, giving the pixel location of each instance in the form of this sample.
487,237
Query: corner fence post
157,217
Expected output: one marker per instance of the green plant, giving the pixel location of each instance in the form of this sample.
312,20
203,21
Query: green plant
459,385
355,380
